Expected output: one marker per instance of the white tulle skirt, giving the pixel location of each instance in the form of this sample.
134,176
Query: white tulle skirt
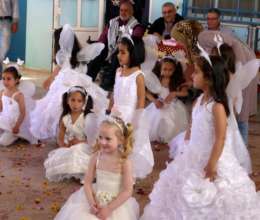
64,163
183,193
167,122
77,208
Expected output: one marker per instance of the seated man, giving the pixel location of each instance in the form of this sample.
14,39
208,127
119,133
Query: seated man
162,26
110,37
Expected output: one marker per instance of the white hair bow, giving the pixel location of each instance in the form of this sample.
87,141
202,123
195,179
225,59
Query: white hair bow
204,54
127,33
219,40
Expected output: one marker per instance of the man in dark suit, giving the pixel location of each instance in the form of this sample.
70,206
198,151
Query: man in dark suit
162,26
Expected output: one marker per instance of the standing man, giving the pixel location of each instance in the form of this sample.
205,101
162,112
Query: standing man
213,21
162,26
9,16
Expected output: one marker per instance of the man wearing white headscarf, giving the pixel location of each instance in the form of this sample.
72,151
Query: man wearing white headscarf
9,16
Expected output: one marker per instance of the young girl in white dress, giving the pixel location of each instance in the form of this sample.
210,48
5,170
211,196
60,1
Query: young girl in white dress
70,72
14,109
129,99
206,181
72,158
167,114
110,197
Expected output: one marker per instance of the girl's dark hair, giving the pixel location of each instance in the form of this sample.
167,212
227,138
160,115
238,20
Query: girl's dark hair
13,70
76,48
177,77
136,51
229,56
66,107
218,78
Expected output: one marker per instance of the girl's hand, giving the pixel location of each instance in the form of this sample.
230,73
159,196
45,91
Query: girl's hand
15,129
158,103
170,97
74,141
104,213
210,171
94,209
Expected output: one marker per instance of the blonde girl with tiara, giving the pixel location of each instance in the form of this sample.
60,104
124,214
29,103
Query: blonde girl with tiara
110,198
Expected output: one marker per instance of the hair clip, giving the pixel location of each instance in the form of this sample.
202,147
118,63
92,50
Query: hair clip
219,40
204,54
127,33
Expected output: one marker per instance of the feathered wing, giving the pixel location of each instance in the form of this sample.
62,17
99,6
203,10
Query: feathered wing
90,52
151,56
27,87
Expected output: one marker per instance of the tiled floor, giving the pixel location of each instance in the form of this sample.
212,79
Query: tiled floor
26,195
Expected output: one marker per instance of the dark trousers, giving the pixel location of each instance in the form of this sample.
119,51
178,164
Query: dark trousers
106,68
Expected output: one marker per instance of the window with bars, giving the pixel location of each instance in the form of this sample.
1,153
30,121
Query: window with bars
237,11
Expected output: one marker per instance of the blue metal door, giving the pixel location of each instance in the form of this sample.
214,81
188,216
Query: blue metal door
18,40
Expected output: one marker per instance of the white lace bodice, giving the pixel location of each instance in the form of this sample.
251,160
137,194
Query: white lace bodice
10,109
108,186
76,129
203,133
125,94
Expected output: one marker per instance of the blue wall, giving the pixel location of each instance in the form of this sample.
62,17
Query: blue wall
18,40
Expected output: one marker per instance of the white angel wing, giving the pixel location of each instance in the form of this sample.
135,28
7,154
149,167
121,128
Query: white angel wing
152,83
151,56
66,43
25,86
92,124
240,80
90,52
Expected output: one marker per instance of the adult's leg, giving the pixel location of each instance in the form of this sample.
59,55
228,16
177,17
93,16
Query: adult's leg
5,35
108,74
243,128
95,65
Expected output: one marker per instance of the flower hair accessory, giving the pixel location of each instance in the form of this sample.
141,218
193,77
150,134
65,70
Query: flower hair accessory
127,33
204,54
219,40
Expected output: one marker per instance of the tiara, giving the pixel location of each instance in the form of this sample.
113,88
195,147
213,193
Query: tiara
204,54
77,89
114,120
127,33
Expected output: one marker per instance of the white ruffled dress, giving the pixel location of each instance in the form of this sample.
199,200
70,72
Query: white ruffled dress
167,122
46,115
67,162
107,188
182,192
11,112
